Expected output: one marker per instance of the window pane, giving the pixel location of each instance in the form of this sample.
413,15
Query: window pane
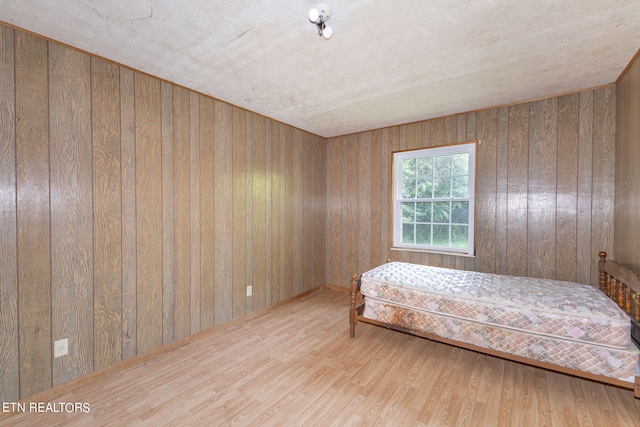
423,234
460,186
407,233
442,165
433,197
408,168
441,212
425,188
460,164
442,187
425,167
408,210
441,235
460,212
423,212
408,188
459,236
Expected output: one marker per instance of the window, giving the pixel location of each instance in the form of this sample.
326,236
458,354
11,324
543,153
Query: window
433,198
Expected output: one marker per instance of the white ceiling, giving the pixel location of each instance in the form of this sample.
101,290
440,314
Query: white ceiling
388,62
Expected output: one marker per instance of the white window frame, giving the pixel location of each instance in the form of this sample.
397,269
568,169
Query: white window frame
398,157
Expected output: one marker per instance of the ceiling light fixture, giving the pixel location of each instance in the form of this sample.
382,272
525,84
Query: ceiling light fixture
319,15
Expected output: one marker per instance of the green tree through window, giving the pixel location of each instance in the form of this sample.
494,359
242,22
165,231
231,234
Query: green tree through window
433,198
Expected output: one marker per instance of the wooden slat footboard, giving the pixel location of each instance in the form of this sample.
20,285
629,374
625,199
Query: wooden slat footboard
623,287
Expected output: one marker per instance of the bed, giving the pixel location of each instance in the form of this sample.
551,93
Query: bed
562,326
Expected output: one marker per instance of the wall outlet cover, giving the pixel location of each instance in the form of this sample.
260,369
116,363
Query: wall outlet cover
61,347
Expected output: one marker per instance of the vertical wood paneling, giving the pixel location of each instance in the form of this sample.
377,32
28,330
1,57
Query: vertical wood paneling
194,187
168,217
585,187
378,167
450,129
298,211
107,213
181,213
71,210
268,200
247,192
502,159
239,212
207,290
289,254
543,153
33,209
334,211
350,210
284,179
517,189
277,261
258,192
534,188
487,135
223,199
289,166
9,364
567,187
308,234
141,178
365,205
148,116
33,213
386,241
393,143
307,199
627,184
602,207
414,138
129,233
318,213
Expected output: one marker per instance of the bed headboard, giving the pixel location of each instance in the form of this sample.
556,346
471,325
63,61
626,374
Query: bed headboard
623,287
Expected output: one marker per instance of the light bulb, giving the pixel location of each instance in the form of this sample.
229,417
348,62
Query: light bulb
327,32
314,14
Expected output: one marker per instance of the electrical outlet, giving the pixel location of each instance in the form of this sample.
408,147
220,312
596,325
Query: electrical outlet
61,347
249,290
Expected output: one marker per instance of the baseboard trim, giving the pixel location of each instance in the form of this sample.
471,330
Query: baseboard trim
62,389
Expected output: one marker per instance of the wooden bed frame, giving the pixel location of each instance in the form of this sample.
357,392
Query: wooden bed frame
617,282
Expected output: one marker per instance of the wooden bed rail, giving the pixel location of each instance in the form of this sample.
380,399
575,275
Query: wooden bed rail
621,285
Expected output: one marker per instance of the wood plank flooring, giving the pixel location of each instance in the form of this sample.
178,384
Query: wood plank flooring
296,365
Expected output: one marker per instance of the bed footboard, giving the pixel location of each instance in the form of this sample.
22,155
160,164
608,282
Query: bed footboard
622,286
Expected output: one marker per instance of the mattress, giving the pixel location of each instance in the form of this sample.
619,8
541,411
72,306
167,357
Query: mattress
553,309
621,364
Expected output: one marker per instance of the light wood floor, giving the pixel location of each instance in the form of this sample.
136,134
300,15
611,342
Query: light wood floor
296,365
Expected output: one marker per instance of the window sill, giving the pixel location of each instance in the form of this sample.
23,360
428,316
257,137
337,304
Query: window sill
431,251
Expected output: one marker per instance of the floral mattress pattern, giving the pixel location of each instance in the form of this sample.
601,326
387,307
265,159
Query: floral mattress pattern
621,364
556,309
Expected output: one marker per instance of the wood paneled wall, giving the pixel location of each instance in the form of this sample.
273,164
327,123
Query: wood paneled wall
627,203
134,212
544,195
